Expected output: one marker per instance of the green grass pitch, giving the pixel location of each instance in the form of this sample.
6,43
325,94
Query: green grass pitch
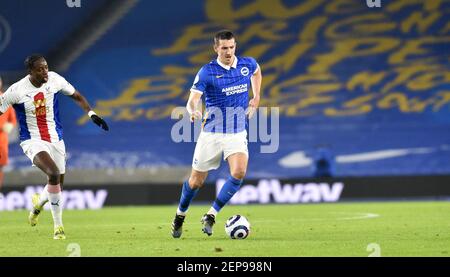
344,229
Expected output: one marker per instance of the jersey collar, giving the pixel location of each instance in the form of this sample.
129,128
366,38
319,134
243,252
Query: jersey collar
227,67
30,84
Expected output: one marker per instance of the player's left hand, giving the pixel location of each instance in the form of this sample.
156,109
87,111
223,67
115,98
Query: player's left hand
252,106
100,122
7,127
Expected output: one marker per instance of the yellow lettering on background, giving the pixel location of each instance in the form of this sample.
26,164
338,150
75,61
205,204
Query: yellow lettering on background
258,50
147,90
298,108
127,114
419,20
395,100
189,71
157,113
359,25
418,105
222,11
201,57
287,60
140,91
445,29
365,79
343,7
313,89
359,33
289,110
445,100
429,80
414,47
352,47
406,73
266,30
295,84
398,5
269,79
191,35
312,27
355,106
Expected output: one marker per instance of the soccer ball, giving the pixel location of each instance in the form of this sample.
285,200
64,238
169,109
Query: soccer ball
237,227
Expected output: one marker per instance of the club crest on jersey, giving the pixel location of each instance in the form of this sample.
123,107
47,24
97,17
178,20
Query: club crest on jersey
244,71
40,104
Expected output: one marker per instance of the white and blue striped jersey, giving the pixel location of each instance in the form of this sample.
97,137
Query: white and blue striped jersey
225,89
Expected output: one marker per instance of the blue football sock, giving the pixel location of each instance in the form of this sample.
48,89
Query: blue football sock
230,187
187,194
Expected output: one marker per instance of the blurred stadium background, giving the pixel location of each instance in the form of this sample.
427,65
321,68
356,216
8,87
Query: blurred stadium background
364,96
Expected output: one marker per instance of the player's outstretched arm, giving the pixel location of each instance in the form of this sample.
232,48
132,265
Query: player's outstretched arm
191,106
83,103
256,80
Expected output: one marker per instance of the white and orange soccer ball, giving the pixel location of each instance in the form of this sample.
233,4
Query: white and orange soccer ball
237,227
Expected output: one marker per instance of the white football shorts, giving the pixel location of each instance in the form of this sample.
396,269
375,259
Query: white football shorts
210,146
56,150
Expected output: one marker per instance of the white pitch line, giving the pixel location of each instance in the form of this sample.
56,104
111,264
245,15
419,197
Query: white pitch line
355,217
360,216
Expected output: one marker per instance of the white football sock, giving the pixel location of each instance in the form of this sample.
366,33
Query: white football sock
212,211
181,213
56,208
43,196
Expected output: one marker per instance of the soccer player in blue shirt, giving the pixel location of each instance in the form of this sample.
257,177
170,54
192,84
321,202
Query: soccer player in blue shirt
225,84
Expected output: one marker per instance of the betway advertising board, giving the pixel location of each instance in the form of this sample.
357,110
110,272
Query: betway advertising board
261,191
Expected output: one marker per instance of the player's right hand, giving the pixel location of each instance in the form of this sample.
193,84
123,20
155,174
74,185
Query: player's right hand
196,115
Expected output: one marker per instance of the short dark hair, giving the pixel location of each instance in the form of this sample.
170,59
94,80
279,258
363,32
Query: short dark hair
224,35
30,60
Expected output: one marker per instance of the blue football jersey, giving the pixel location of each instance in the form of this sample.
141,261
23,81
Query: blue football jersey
225,90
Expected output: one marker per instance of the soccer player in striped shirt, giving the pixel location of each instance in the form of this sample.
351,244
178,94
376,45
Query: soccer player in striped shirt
35,100
225,83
